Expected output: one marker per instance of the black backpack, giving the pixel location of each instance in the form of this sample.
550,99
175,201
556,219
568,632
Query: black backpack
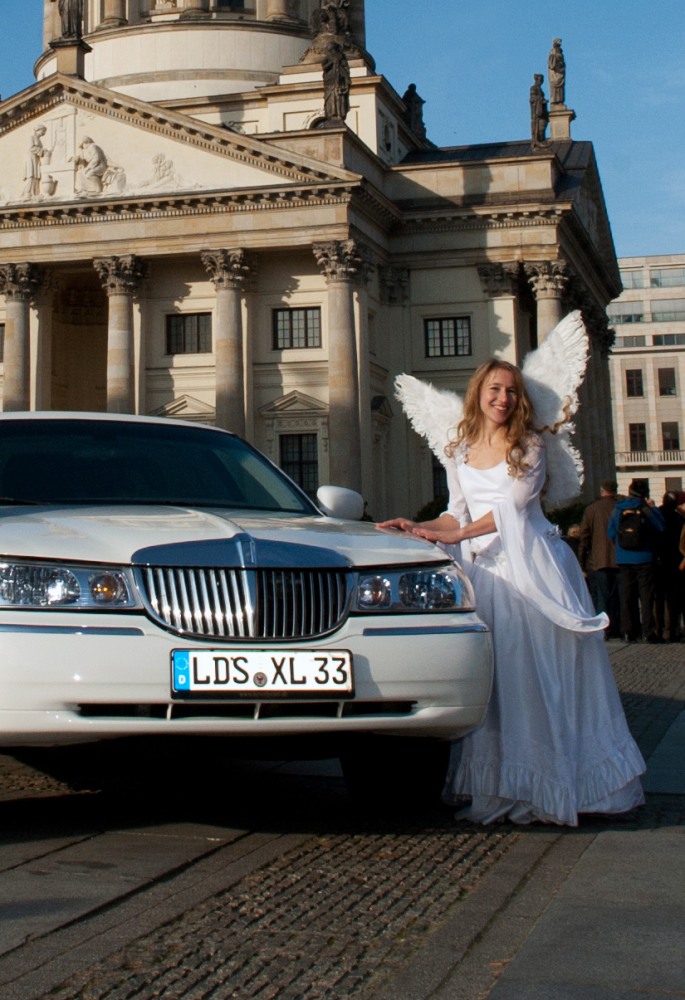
633,530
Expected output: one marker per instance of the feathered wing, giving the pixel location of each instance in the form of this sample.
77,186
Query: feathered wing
552,374
433,413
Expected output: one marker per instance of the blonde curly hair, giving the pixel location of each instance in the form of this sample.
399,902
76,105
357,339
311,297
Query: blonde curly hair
518,430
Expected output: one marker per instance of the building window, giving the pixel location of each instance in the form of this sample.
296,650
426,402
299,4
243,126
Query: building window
670,436
631,342
632,279
638,437
634,385
667,277
229,4
448,338
626,312
296,328
667,382
189,333
2,343
668,339
668,310
299,459
674,483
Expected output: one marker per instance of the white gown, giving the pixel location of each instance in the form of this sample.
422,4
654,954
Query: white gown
555,741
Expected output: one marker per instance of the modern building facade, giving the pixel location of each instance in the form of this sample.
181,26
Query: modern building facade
648,372
220,210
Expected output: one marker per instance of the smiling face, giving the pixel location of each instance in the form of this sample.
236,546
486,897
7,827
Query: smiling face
499,396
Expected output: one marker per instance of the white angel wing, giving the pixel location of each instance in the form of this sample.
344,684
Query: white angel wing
552,374
432,412
564,468
554,370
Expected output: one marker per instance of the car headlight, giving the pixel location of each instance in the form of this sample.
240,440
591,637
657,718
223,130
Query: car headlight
55,585
424,588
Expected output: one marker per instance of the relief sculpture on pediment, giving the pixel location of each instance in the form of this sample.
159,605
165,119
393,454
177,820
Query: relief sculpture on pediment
94,173
36,155
164,176
73,154
54,166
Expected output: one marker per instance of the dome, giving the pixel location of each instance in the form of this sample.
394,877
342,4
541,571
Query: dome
179,49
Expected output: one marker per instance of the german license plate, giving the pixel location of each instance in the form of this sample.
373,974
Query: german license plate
261,672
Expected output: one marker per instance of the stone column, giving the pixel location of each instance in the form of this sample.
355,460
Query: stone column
500,284
19,283
114,14
340,263
548,279
602,340
229,271
277,10
195,8
41,347
120,277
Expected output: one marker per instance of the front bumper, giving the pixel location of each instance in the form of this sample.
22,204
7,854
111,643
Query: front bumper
65,678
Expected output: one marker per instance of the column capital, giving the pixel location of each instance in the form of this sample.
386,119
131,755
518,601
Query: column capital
499,278
228,268
547,278
343,260
21,281
120,275
394,285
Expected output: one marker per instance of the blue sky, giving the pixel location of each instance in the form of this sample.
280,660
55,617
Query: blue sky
473,63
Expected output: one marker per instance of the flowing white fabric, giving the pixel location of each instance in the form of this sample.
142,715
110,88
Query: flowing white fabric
555,741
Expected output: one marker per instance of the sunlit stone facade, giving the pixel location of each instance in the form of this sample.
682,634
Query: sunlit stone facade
185,232
648,372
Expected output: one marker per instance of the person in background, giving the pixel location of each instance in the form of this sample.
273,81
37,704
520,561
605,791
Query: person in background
597,555
634,528
668,582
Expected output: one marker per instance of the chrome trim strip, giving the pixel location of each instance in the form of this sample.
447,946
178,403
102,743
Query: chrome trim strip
427,630
72,630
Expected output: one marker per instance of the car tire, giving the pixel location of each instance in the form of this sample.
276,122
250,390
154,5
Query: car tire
391,773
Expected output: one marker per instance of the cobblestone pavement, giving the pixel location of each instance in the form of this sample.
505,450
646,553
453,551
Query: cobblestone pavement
342,911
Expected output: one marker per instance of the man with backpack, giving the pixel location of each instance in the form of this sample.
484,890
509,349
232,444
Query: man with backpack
634,528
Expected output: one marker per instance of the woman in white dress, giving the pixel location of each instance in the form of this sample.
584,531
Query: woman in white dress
555,742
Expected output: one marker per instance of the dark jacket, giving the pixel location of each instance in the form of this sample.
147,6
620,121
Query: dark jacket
635,557
596,548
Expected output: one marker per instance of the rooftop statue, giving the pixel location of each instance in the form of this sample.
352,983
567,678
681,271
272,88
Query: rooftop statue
556,71
336,83
539,115
333,18
413,116
330,22
71,14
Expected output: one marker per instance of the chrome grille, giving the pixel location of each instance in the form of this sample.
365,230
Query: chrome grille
267,604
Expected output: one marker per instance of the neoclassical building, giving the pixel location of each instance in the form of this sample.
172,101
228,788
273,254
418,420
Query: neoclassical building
220,210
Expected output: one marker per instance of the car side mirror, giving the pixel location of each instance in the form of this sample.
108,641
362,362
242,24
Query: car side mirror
338,501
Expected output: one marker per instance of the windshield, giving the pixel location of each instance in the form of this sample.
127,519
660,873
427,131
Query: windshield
110,461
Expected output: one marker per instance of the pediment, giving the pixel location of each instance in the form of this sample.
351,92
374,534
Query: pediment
66,140
186,408
292,404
